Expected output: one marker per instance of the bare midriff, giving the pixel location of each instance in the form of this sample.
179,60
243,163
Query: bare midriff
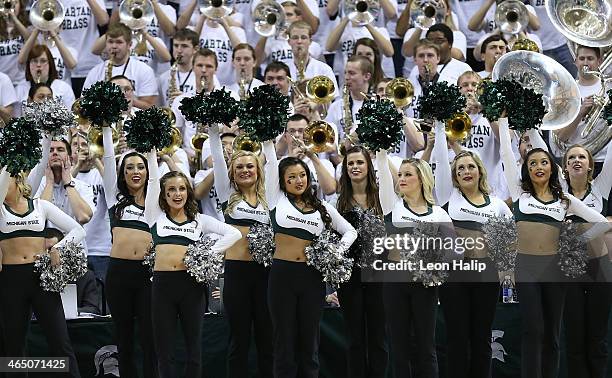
240,250
537,238
129,243
290,248
170,257
22,250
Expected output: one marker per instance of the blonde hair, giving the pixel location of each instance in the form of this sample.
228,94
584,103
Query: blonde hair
237,195
22,186
425,175
483,186
473,74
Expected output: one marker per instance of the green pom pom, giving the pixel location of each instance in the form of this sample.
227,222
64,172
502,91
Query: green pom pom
607,110
147,129
380,124
20,148
492,99
102,103
217,107
264,113
440,101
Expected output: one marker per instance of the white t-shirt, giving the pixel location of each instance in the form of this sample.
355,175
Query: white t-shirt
79,31
60,88
63,73
449,72
234,88
151,58
326,25
98,228
549,35
9,51
7,91
140,74
279,50
315,68
155,30
465,9
185,82
392,23
217,40
211,205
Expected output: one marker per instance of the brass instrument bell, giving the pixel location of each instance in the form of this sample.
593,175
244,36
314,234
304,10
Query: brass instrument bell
46,15
320,90
215,9
268,18
245,142
458,126
319,136
400,91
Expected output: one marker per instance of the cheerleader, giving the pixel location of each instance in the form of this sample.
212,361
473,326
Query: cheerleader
128,284
362,303
413,305
172,214
295,289
22,226
469,298
241,192
590,297
540,205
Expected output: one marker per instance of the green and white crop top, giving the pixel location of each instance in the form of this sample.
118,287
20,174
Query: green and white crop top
243,213
166,231
288,219
32,222
529,208
461,210
132,217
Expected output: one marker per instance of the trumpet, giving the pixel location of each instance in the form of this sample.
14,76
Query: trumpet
245,142
400,91
511,16
458,127
319,136
137,15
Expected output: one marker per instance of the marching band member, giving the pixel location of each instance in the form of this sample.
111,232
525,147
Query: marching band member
367,48
64,56
540,205
184,44
172,214
8,98
240,187
40,93
362,302
22,226
296,290
13,33
489,50
469,298
589,298
128,284
243,60
278,74
118,44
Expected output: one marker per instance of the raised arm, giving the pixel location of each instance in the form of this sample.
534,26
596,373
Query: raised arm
273,191
222,182
510,169
110,168
38,172
4,183
604,180
386,192
443,177
600,223
65,223
229,234
348,232
152,209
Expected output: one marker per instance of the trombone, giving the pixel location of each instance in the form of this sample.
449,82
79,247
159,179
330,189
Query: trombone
320,90
458,127
319,136
400,91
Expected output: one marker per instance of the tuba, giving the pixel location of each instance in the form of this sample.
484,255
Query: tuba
400,91
361,12
45,15
245,142
319,136
136,15
588,24
544,75
426,13
269,18
215,9
458,127
511,16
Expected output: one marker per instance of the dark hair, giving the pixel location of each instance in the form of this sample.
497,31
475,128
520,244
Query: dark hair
309,196
448,33
243,46
277,66
553,183
345,199
492,38
65,141
596,50
187,35
122,77
191,206
296,117
35,52
35,87
377,72
124,198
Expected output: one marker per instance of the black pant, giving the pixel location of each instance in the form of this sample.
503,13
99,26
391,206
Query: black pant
77,85
178,295
412,307
586,321
246,304
541,289
20,293
295,297
364,315
128,293
469,300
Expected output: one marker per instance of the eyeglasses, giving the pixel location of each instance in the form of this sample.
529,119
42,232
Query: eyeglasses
41,61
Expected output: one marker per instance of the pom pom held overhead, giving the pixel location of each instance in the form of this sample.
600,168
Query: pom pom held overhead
102,103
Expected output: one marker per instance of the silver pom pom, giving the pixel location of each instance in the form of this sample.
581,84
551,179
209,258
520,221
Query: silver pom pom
261,243
50,116
73,265
425,254
500,236
572,251
201,262
326,254
149,258
370,227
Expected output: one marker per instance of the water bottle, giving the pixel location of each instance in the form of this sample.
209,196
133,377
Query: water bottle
508,290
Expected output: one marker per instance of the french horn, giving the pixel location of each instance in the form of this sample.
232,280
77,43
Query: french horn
215,9
426,13
547,77
511,16
361,12
269,18
46,15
